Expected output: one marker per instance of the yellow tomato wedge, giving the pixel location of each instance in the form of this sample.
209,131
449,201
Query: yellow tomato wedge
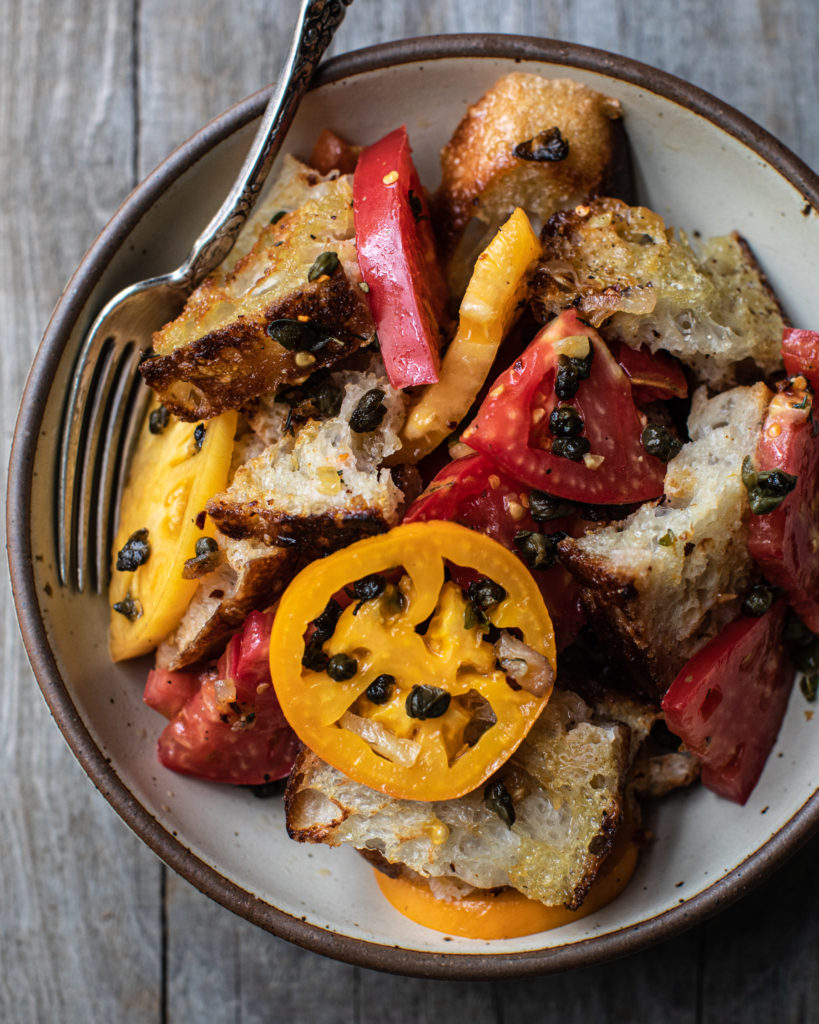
171,477
489,308
505,913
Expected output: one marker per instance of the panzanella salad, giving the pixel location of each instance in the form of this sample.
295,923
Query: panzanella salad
481,517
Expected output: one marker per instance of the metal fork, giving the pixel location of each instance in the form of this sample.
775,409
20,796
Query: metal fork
107,400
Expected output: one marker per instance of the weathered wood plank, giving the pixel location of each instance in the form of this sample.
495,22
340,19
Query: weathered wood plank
79,910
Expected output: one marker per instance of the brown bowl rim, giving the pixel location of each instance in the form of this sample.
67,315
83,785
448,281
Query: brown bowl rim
585,952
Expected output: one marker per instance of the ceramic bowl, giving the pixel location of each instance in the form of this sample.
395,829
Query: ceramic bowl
700,164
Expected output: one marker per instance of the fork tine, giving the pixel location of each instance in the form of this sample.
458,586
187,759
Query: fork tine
124,418
88,368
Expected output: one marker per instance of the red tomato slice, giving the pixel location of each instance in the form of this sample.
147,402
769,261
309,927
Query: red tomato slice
785,542
512,425
243,741
168,692
728,703
396,253
473,492
800,351
654,377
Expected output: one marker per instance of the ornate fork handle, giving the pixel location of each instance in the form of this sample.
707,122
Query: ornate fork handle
318,21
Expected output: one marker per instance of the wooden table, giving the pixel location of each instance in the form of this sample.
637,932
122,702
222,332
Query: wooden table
93,94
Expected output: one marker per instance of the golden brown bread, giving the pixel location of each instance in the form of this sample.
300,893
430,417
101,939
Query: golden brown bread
566,780
218,354
629,275
483,177
660,583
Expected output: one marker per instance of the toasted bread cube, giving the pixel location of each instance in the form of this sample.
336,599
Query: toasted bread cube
638,281
661,583
566,781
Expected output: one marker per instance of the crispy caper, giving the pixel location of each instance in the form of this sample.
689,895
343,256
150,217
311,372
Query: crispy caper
380,689
369,412
543,507
158,420
129,607
536,549
757,601
135,552
573,448
660,442
766,490
427,702
566,421
496,797
547,146
326,263
341,667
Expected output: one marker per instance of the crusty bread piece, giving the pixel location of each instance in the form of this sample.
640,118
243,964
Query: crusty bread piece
322,485
218,353
660,583
482,177
252,575
629,275
566,781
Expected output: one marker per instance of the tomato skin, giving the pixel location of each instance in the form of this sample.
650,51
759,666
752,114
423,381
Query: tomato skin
785,542
243,742
519,405
396,253
654,376
472,491
800,352
728,702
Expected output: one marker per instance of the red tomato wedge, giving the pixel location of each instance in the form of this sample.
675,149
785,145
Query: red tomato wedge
513,424
653,376
232,729
396,253
473,492
728,703
785,542
800,352
168,692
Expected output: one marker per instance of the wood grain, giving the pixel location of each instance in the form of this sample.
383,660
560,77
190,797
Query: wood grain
93,94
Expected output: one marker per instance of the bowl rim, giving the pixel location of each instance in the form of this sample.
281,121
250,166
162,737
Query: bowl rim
480,965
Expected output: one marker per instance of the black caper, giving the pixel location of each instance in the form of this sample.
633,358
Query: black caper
497,799
298,335
265,790
129,607
767,490
805,657
570,371
809,685
547,146
369,412
277,216
326,263
314,657
573,448
135,552
325,624
341,667
485,593
159,419
543,508
536,549
199,436
207,558
367,589
757,600
328,399
566,421
380,689
427,702
660,442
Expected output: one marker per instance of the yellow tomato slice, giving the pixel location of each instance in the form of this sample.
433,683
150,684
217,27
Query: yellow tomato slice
419,634
490,306
170,478
505,913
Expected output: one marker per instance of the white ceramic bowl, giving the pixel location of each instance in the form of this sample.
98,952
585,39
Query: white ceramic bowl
698,163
